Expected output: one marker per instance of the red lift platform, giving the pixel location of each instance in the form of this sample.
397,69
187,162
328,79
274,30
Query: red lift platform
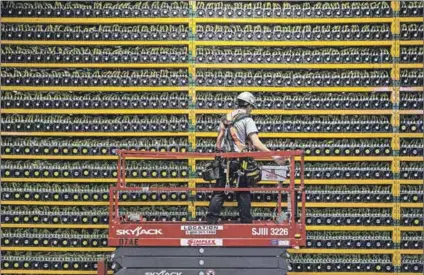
155,248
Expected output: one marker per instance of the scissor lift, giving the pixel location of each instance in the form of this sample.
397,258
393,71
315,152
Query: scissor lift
196,248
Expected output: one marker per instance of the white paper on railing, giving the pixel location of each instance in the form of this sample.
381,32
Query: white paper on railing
277,173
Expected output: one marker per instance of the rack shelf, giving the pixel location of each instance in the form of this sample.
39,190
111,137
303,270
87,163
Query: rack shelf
411,42
97,134
95,89
98,111
411,19
412,205
91,203
411,89
58,249
91,180
58,272
294,66
411,158
340,251
63,157
300,112
412,251
72,226
60,157
95,65
348,228
411,112
411,135
95,43
358,20
93,21
411,66
411,182
294,89
410,228
294,43
310,135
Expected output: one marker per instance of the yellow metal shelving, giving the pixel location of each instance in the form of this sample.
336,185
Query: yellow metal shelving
94,180
293,89
95,65
349,205
98,111
95,89
58,249
411,89
340,251
411,182
310,135
412,251
62,157
411,19
292,66
300,112
98,203
58,272
203,134
411,158
67,226
348,228
96,43
411,205
411,112
201,111
410,228
358,43
411,66
411,135
93,21
359,20
411,42
97,134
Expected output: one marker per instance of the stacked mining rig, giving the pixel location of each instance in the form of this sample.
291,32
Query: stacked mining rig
341,80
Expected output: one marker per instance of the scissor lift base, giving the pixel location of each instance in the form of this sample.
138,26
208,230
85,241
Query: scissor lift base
201,260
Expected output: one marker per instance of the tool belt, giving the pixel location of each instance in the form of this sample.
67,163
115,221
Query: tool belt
245,171
214,170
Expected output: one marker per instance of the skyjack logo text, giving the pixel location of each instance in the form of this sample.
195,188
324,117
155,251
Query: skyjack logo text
139,231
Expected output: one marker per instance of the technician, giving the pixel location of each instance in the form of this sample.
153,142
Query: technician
238,133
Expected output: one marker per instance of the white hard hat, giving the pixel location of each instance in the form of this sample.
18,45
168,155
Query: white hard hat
247,97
